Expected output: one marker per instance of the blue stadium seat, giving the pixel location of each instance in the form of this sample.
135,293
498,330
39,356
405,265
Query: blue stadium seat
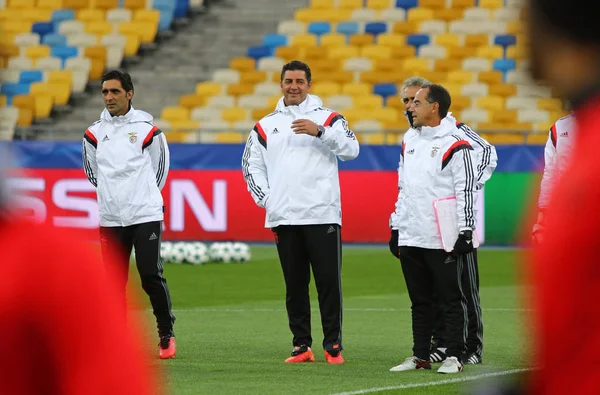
63,15
259,51
504,66
54,39
274,40
181,8
505,40
416,40
29,76
406,4
11,89
42,28
64,52
347,28
319,28
167,14
375,28
385,90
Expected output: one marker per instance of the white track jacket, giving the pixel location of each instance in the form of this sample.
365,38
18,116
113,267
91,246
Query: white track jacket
556,155
127,159
436,162
295,176
485,153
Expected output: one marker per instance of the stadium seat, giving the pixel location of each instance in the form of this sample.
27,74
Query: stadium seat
20,63
147,16
253,77
102,27
370,101
378,4
476,89
26,39
357,89
229,138
270,63
117,15
358,64
343,52
505,40
82,40
190,101
474,115
208,89
132,45
319,28
491,103
48,63
325,88
538,138
490,77
239,89
361,39
447,64
347,28
29,76
291,28
274,40
350,4
550,104
364,15
333,39
504,65
432,52
433,27
504,116
477,40
59,15
90,15
60,77
321,4
448,14
477,14
54,40
417,40
50,4
340,102
419,14
406,4
251,101
267,88
226,76
391,15
376,52
517,52
11,89
459,103
36,52
448,39
375,28
234,114
41,28
529,115
476,64
258,52
70,27
463,3
175,113
242,64
503,90
491,4
490,52
307,15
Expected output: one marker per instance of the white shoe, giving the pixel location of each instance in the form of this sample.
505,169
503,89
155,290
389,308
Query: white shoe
451,365
411,363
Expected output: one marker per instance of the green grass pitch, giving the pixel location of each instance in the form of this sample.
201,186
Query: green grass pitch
232,332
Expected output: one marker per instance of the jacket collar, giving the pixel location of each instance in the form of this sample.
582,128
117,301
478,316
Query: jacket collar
132,115
445,128
309,104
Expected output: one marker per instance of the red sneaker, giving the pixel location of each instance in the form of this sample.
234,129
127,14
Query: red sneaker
167,347
334,357
301,354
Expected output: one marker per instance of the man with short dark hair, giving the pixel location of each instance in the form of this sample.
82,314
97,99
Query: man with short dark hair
436,163
127,159
290,166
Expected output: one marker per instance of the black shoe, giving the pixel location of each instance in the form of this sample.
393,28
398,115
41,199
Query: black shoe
438,355
472,359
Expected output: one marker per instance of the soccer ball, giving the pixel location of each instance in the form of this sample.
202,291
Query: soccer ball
166,248
178,252
241,252
196,253
214,252
221,252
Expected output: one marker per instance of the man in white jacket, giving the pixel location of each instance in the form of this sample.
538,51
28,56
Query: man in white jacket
290,166
436,163
127,159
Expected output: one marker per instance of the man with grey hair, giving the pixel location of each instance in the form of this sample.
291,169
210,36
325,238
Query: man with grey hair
486,164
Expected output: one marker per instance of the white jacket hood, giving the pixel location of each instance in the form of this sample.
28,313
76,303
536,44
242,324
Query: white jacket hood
311,103
132,116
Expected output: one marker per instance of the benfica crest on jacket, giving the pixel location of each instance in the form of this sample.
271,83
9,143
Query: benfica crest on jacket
132,137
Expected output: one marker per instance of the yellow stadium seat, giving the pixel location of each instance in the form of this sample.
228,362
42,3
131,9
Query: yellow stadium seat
503,90
350,4
192,100
515,27
447,65
304,40
326,88
145,30
407,51
385,64
76,4
253,77
391,40
91,15
59,92
242,63
371,138
50,4
453,88
240,89
106,4
416,64
315,53
378,4
419,14
434,75
408,27
448,14
556,115
460,52
173,113
324,66
21,3
339,77
537,138
259,113
343,52
490,77
208,89
37,15
357,89
132,45
307,15
234,114
336,15
321,4
433,4
517,52
147,15
376,52
99,27
37,51
395,102
448,40
459,103
25,117
550,104
97,54
3,101
463,3
501,138
504,116
43,106
185,125
490,52
26,102
333,39
134,4
60,77
385,115
229,137
290,53
376,77
361,39
369,101
477,40
15,27
491,4
491,103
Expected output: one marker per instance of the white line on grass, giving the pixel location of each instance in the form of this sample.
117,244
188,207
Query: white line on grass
434,383
366,309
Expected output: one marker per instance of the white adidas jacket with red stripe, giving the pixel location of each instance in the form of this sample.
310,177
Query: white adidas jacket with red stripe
127,159
295,176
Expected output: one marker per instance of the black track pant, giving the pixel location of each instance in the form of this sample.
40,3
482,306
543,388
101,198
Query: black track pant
146,238
301,247
470,286
428,272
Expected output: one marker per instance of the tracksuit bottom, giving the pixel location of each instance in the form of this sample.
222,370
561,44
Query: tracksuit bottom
428,272
300,248
146,238
470,286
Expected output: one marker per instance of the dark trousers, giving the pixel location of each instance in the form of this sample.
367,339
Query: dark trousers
146,239
470,286
301,247
428,272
